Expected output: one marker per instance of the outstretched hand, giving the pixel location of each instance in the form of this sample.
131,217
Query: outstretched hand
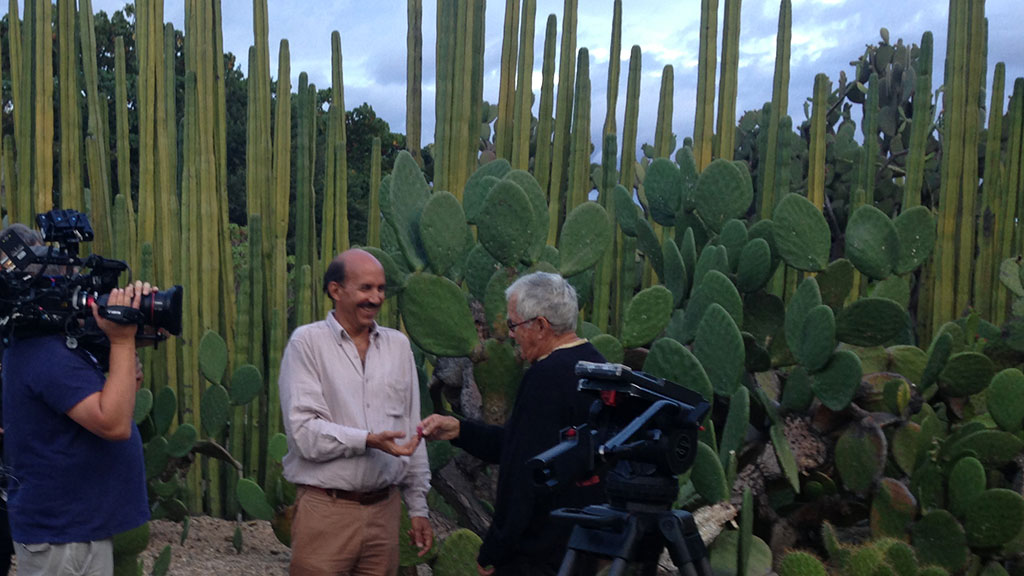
386,442
438,427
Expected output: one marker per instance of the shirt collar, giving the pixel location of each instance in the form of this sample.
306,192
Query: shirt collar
339,332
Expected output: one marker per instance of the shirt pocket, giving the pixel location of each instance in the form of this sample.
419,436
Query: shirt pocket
396,397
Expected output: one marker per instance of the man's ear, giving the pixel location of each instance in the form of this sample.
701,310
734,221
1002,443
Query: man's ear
333,290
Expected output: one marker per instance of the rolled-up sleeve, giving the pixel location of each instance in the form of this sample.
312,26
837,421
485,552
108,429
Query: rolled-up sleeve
306,415
416,482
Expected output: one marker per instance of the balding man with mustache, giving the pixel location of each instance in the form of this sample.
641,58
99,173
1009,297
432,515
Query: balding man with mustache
349,395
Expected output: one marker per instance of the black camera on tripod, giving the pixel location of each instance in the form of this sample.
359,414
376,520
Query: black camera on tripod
641,435
43,289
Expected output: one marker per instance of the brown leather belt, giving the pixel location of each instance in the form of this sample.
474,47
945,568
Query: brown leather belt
362,498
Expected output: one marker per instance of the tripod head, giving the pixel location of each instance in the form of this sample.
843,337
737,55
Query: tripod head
649,424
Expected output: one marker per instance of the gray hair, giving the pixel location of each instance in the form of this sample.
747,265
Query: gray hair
548,295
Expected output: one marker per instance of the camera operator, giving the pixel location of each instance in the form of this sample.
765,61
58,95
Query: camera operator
72,450
522,540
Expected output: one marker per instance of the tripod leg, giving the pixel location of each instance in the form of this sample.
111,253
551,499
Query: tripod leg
568,563
618,567
671,529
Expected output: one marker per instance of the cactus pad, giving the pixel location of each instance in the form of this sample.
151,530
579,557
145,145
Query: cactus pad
915,228
213,357
436,316
722,193
585,236
1005,399
715,289
733,237
708,475
719,347
994,517
711,258
505,223
165,406
626,212
181,442
672,361
966,480
784,454
443,231
479,186
806,298
860,456
497,377
480,266
797,394
965,374
906,442
892,509
253,500
754,267
609,347
871,322
143,404
801,234
401,205
818,338
724,553
246,384
871,242
663,186
938,355
648,243
674,272
837,384
214,408
736,424
647,315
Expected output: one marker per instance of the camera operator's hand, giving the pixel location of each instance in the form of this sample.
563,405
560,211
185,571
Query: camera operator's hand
438,427
129,296
484,571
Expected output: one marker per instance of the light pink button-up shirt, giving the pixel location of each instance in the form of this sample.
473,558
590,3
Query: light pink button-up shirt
331,401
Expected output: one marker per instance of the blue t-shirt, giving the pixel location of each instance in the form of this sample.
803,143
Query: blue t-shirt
65,484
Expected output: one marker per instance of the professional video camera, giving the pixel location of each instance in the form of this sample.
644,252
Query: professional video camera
44,291
642,433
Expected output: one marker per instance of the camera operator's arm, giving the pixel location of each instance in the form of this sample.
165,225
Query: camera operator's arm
108,413
483,441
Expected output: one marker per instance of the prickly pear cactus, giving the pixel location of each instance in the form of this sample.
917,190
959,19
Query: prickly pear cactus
585,236
801,234
722,193
436,316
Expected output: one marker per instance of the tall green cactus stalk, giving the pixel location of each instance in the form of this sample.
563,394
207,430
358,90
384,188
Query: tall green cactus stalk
1010,195
972,115
445,51
97,126
920,126
956,104
414,79
44,108
605,273
258,429
126,239
869,165
520,158
275,259
22,50
503,127
545,118
304,202
614,61
627,170
780,103
70,116
663,128
226,310
725,143
563,117
816,146
259,151
989,255
704,117
579,162
373,223
335,208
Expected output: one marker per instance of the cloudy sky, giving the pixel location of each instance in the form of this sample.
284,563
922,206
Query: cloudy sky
826,36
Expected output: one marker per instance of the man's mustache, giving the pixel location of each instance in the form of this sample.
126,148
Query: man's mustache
370,306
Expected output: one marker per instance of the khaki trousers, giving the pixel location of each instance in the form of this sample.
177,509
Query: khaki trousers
336,537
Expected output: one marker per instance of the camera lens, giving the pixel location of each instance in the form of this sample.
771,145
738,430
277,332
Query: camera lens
163,309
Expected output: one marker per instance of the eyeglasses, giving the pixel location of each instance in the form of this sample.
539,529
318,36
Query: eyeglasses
513,325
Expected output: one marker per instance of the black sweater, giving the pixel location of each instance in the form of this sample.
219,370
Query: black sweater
547,402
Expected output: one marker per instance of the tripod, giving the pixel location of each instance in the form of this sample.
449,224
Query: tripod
633,530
